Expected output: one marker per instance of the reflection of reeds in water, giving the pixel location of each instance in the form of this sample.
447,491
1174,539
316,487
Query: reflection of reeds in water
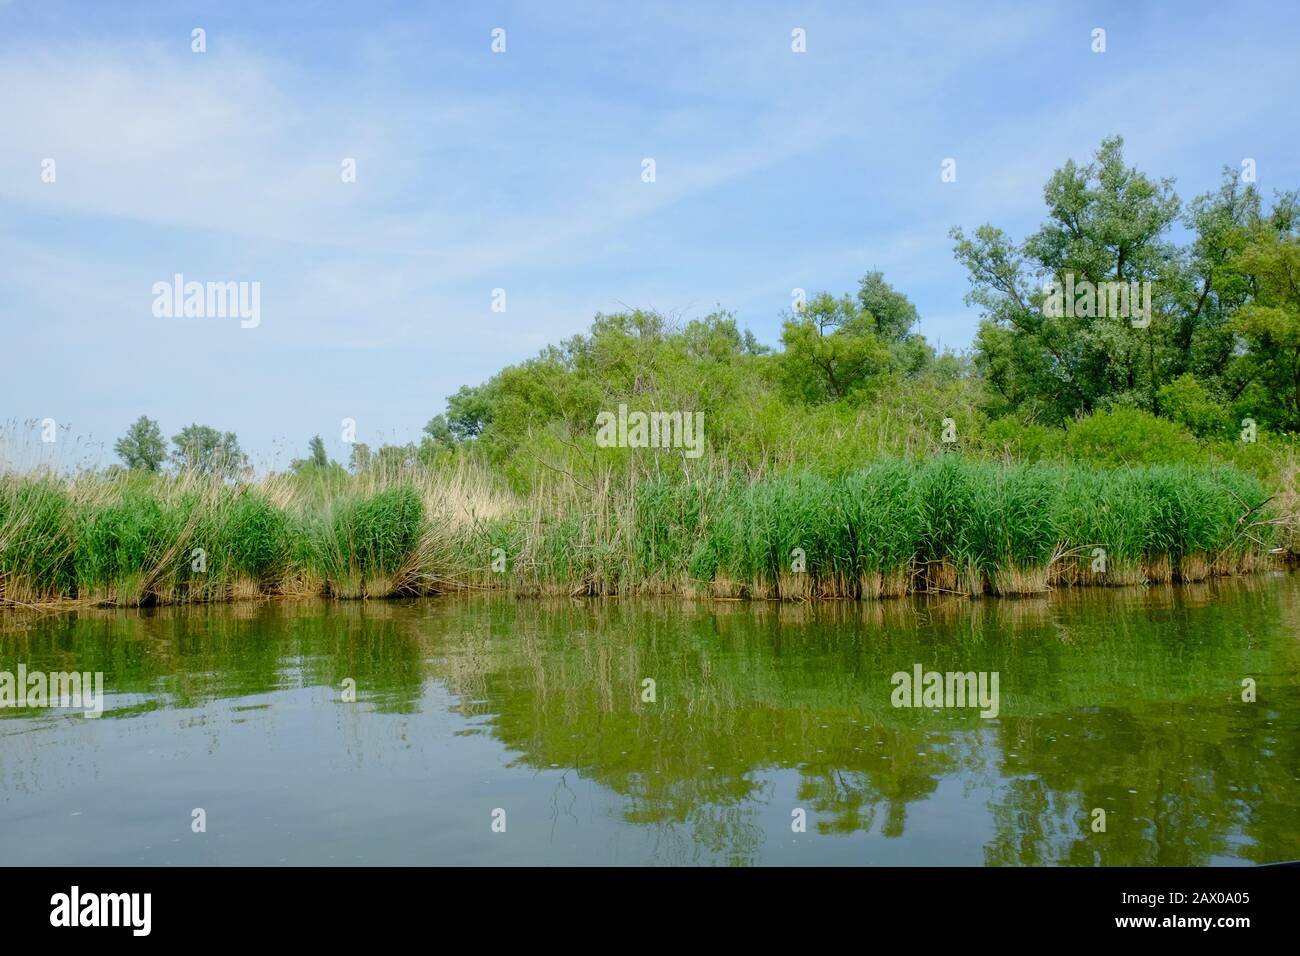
741,687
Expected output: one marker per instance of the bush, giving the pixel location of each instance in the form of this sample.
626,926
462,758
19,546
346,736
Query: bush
1186,401
128,543
1023,441
884,516
1129,436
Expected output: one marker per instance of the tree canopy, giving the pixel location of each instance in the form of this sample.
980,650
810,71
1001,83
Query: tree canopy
142,448
1109,222
205,450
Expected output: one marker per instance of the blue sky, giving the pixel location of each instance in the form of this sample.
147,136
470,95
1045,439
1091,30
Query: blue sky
522,171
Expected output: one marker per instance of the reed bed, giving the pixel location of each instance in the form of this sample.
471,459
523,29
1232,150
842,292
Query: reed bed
944,524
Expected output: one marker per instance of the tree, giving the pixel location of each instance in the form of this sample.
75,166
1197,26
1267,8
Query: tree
142,448
1207,351
317,462
360,458
437,438
717,339
438,432
1106,223
1234,264
1270,327
1187,401
892,316
1214,287
316,449
395,459
831,350
469,411
207,451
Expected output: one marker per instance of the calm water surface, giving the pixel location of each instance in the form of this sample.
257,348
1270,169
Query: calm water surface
1128,701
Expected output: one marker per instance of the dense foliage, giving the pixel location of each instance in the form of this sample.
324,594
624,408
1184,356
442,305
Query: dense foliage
1217,358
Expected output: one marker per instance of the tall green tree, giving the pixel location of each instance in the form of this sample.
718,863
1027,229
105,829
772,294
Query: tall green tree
1270,326
205,450
360,458
438,432
1208,352
142,448
1107,222
436,440
317,458
893,317
831,350
469,411
316,452
317,464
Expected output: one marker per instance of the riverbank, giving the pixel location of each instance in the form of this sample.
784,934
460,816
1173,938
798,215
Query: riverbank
893,527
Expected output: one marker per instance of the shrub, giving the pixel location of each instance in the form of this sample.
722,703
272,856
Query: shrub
1186,401
1129,436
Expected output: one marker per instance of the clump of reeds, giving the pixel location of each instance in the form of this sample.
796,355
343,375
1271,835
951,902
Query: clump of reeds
959,507
36,539
133,542
1025,538
255,542
364,544
884,523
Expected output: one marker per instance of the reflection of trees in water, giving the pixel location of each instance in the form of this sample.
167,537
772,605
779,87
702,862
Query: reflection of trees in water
846,801
380,651
1087,682
734,702
1103,692
728,832
847,794
1220,799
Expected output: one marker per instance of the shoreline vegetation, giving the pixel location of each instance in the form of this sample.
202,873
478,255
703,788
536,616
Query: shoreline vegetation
942,523
1146,430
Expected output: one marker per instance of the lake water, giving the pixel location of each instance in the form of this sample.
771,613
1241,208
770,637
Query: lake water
1126,701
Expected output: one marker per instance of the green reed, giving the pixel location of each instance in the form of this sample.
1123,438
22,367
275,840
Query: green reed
945,524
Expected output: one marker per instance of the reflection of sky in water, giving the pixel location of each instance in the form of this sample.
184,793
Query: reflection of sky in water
1128,701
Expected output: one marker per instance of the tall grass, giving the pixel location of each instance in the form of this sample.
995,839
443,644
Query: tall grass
37,539
941,524
256,540
363,545
884,523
